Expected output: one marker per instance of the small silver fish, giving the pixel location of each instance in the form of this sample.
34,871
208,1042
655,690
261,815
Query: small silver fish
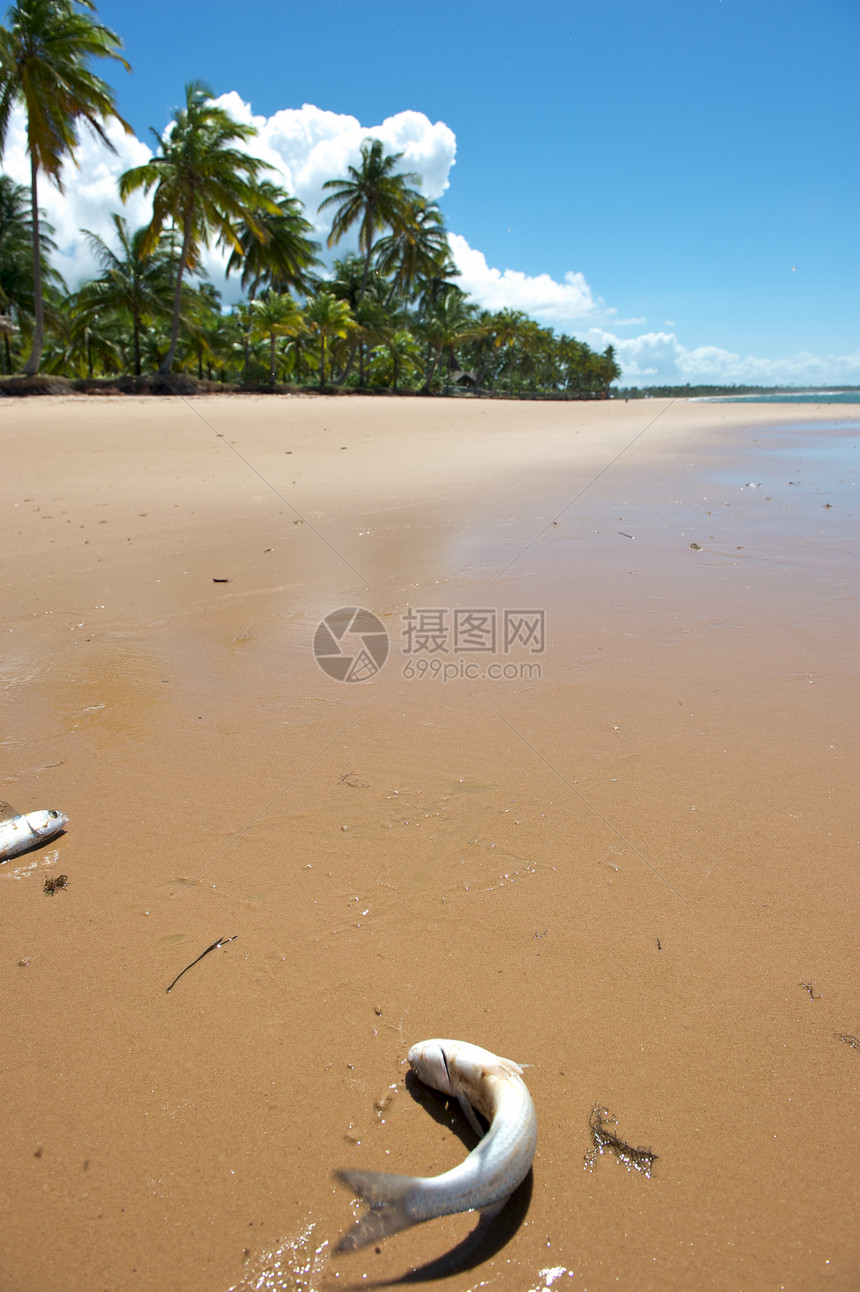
491,1172
22,830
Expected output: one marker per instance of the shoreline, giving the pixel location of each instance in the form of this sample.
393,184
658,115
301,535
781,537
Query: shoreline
183,384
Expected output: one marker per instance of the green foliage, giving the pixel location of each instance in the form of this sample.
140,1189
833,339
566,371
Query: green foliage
327,320
276,315
392,315
17,305
45,54
133,287
395,359
201,184
273,247
375,197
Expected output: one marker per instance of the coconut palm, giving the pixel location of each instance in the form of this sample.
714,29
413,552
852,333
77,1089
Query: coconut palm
376,318
203,185
131,283
79,342
205,339
395,357
416,248
16,263
451,322
327,319
274,249
44,65
501,332
275,315
375,196
374,326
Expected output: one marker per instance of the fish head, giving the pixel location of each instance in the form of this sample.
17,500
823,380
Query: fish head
430,1065
47,822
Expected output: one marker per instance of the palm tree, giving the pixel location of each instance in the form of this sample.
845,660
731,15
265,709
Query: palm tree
416,248
326,317
373,314
204,337
274,315
274,249
16,262
374,196
44,66
395,356
202,184
501,332
79,342
130,283
451,322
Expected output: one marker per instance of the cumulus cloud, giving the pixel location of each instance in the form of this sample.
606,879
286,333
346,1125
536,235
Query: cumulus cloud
304,147
90,192
659,358
307,146
559,304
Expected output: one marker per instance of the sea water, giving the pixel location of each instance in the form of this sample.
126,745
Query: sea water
786,397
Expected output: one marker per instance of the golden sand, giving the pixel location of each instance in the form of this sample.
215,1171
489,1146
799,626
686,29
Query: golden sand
629,861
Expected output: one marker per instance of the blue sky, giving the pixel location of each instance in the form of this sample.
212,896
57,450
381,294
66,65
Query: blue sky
694,161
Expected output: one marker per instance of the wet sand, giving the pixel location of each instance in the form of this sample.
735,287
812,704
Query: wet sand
618,862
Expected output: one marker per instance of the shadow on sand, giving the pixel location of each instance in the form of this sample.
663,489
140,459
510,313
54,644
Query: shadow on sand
488,1237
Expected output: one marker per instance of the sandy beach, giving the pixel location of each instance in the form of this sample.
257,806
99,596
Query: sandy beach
596,812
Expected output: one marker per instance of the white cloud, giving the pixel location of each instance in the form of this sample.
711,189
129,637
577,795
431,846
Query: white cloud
90,191
307,146
304,146
544,298
659,358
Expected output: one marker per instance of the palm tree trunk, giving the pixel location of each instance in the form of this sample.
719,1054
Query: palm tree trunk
272,360
349,366
135,330
177,298
31,367
246,335
368,255
431,371
322,360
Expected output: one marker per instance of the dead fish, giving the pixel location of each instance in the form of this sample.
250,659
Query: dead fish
22,830
492,1171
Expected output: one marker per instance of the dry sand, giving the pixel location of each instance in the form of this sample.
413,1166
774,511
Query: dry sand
620,871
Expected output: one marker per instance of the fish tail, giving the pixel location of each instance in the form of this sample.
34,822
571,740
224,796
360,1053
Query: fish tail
389,1212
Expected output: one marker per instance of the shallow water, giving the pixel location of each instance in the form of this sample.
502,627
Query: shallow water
822,397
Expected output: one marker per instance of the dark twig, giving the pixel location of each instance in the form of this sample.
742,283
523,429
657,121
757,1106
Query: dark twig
222,942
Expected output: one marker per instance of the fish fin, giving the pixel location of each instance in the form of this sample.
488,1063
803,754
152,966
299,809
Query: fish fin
7,812
388,1212
469,1114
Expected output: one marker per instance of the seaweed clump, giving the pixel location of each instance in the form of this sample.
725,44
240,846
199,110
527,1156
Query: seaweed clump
600,1121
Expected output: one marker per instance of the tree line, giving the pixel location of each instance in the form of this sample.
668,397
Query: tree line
391,315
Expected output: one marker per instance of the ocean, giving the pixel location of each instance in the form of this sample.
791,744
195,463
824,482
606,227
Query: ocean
786,397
